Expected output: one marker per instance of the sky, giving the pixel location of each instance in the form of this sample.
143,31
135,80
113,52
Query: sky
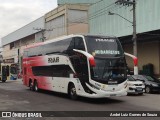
15,14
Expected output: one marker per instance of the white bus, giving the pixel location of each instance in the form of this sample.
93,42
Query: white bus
78,65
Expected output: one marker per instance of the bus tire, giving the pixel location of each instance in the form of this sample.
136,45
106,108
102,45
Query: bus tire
36,86
72,92
30,85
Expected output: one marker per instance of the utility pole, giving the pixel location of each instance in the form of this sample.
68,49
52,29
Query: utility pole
134,38
43,32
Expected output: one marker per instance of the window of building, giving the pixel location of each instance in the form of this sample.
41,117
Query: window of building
12,45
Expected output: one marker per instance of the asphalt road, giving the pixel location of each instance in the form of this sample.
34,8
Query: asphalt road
14,96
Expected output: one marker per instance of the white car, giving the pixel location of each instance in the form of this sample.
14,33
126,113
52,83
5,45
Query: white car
135,86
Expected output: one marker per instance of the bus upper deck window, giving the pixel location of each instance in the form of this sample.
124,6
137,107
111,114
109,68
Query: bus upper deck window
79,44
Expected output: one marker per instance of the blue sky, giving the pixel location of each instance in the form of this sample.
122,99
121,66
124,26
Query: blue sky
14,14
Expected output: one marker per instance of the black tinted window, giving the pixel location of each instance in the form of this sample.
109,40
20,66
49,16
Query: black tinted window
57,47
65,46
79,44
52,71
33,51
103,46
51,48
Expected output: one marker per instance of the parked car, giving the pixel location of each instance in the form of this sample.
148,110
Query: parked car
151,83
135,86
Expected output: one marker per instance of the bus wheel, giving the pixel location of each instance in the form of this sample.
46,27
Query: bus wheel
30,85
72,92
36,86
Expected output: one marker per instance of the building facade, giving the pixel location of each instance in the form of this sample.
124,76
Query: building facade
147,26
14,42
83,16
62,2
64,20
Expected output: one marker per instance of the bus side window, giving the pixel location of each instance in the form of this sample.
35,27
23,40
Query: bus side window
77,65
79,44
70,48
81,68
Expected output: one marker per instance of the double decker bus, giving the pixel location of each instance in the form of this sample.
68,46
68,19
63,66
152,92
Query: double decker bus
78,65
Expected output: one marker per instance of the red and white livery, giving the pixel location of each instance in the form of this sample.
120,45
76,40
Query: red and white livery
78,65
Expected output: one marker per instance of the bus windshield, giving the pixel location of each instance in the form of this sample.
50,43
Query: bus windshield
109,59
104,47
13,70
109,69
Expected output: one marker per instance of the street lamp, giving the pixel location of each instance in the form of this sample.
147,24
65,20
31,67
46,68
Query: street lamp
134,38
111,13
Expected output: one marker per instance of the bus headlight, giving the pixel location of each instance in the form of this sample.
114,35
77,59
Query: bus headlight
94,86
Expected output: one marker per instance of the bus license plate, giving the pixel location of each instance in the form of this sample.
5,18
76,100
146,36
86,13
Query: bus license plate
112,82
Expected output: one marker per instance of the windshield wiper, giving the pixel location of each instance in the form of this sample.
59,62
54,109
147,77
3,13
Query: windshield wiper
109,73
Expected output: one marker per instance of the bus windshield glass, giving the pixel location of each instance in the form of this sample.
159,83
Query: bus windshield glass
109,69
104,47
109,58
13,70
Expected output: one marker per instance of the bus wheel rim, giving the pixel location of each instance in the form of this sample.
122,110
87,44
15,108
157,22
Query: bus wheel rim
73,91
36,87
31,86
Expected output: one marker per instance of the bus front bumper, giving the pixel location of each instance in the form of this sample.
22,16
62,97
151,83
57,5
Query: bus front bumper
104,94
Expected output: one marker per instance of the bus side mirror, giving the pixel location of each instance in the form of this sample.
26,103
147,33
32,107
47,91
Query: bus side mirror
89,56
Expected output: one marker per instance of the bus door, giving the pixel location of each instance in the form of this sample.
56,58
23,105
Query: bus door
5,73
13,72
81,67
80,62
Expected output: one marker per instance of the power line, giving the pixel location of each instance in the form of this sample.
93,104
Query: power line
97,2
98,13
103,12
95,13
90,16
102,9
42,30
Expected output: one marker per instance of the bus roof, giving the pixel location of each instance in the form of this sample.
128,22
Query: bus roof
64,37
